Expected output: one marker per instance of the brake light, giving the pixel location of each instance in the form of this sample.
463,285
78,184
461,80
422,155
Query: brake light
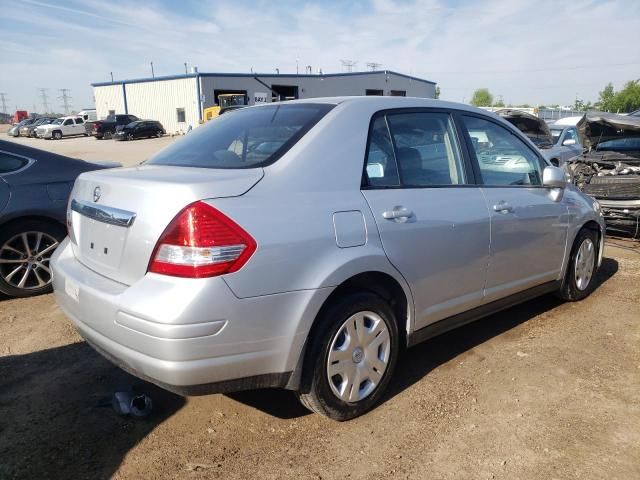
201,242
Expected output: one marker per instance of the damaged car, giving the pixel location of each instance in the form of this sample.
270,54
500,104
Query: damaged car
609,169
557,145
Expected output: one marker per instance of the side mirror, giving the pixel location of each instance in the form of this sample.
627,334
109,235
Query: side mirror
553,177
568,142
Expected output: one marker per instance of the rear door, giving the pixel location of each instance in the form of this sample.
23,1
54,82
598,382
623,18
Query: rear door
528,223
78,126
433,222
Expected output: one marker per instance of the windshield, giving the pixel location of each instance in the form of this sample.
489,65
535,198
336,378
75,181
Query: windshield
555,133
57,121
247,138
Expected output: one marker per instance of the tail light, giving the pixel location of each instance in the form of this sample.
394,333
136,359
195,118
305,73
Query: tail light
201,242
95,126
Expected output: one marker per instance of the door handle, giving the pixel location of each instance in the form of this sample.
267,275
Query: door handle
502,207
397,213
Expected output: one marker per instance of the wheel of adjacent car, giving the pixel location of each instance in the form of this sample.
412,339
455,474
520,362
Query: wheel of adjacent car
159,133
57,135
129,136
26,247
106,135
351,357
582,266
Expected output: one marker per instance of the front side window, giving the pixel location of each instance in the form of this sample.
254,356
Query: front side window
503,158
247,138
68,122
180,115
9,163
427,150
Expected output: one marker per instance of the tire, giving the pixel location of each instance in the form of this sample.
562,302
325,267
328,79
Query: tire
57,135
159,133
363,359
27,277
130,136
106,135
582,267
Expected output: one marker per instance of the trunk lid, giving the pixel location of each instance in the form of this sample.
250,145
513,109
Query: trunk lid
118,215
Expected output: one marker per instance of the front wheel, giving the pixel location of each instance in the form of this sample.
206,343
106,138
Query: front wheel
351,358
159,133
106,135
25,250
582,267
57,135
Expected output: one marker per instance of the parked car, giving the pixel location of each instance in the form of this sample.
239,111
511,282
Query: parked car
88,114
304,245
34,190
62,127
140,129
609,169
107,127
556,151
567,137
29,130
15,130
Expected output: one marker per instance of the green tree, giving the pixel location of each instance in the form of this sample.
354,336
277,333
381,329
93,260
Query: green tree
628,99
482,98
606,98
437,93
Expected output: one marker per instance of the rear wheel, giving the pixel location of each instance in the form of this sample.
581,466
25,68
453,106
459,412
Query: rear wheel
582,267
25,250
159,133
106,135
351,358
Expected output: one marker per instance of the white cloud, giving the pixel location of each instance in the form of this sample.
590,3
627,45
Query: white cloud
526,51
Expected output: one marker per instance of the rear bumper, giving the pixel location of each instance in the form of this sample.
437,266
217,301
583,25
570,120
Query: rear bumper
191,336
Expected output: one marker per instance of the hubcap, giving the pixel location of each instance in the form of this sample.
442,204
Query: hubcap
358,356
585,261
24,260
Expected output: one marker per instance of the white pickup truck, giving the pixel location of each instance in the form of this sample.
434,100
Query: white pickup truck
62,127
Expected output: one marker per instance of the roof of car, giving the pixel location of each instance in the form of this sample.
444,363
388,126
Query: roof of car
385,102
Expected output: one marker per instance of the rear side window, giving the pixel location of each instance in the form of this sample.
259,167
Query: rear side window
503,158
79,121
246,138
9,163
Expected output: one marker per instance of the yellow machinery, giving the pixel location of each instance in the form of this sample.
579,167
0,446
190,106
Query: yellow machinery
226,101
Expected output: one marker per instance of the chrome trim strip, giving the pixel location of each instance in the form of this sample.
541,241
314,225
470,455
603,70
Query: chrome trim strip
110,215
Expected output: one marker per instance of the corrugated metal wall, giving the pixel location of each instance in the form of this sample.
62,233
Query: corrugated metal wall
160,100
107,98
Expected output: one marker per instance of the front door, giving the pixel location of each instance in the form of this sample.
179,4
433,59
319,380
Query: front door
529,222
433,224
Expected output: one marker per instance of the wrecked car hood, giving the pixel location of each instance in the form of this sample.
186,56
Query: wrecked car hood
595,128
533,127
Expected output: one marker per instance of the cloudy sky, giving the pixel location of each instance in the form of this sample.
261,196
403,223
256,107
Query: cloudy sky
533,51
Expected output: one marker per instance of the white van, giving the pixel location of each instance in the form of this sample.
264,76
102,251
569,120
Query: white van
88,115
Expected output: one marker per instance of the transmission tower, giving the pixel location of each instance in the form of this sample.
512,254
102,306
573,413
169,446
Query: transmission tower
45,99
65,97
348,64
373,66
3,100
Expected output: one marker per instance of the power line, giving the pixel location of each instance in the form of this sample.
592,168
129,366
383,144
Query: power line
65,97
45,99
348,64
3,100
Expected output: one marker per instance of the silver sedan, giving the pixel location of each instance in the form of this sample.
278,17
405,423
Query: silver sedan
304,245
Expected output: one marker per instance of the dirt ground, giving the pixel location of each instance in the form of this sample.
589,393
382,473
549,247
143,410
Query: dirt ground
545,390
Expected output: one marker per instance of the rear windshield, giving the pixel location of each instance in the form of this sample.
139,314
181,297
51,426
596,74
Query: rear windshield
245,138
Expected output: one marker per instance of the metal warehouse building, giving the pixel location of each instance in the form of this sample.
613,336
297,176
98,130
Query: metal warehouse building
178,101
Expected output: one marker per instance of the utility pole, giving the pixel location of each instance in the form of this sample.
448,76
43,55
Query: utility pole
153,75
186,72
3,100
373,66
111,76
45,99
348,64
65,97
